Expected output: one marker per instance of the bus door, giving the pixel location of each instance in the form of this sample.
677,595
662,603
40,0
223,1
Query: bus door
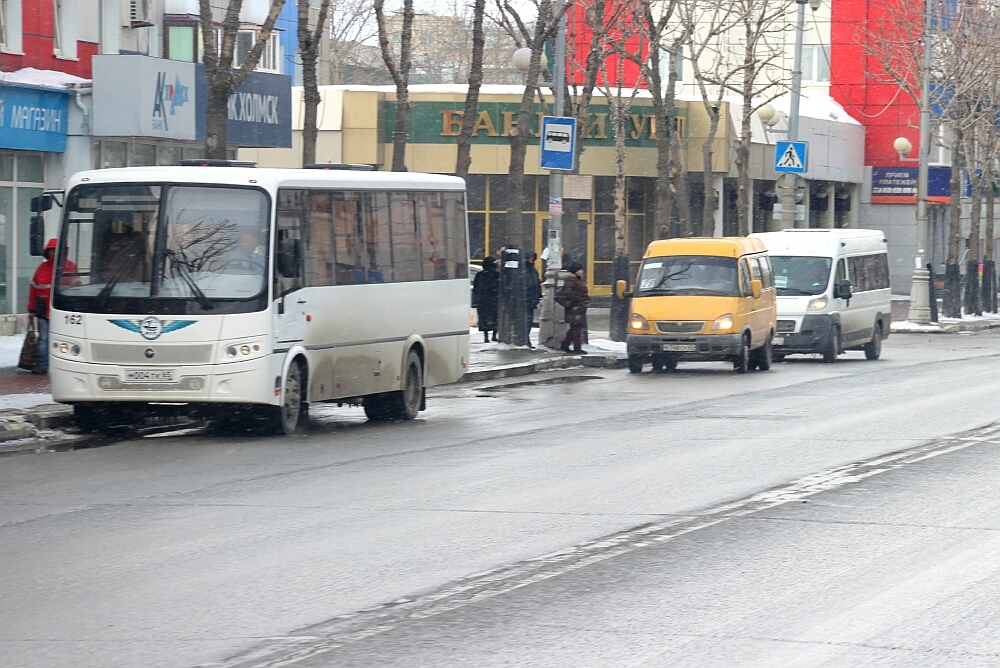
290,303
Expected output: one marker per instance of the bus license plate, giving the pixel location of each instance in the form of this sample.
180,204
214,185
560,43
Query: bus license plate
678,347
149,376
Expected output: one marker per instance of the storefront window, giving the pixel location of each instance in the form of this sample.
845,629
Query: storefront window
143,155
169,155
113,154
22,176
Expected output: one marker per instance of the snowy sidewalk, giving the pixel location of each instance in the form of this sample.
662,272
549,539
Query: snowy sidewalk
967,323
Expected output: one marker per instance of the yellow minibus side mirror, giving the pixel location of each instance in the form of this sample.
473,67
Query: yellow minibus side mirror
755,288
621,290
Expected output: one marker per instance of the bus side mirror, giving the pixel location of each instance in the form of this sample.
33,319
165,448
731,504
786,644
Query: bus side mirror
289,257
36,236
622,291
755,287
41,203
842,290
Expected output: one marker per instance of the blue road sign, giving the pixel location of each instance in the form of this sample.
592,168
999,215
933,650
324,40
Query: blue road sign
558,146
791,157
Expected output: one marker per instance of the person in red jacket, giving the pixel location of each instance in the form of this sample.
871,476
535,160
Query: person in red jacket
39,296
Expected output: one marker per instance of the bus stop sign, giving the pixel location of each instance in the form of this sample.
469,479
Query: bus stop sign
558,142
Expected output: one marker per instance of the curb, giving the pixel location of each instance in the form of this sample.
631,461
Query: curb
953,328
545,364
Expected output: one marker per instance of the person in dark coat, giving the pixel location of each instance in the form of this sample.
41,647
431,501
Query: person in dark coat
532,286
486,298
575,298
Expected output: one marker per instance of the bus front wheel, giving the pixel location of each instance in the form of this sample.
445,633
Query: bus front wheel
293,411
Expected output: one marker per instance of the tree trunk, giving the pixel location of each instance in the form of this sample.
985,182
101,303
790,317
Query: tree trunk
744,190
952,274
223,80
400,73
309,44
989,289
520,135
708,213
972,261
464,160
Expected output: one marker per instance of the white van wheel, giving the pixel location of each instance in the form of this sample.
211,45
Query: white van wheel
873,349
832,346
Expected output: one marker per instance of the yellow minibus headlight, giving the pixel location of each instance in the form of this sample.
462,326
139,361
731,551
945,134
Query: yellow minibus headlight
638,322
723,322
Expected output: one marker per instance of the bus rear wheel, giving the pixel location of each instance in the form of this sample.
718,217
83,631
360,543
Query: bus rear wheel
403,404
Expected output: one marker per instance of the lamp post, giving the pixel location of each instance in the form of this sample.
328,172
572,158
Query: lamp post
920,293
549,333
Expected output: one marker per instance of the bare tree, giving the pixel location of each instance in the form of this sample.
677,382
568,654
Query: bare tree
345,48
223,80
759,81
464,158
309,45
707,28
400,71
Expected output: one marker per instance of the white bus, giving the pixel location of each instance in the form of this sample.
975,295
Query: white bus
218,287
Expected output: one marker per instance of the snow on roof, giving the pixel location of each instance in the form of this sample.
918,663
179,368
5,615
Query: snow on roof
816,105
29,76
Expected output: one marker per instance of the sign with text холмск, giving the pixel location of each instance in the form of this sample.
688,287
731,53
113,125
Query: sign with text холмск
33,119
441,123
259,113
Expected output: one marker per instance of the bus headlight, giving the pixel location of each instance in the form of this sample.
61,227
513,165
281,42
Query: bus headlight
638,322
231,351
245,349
818,304
723,322
66,348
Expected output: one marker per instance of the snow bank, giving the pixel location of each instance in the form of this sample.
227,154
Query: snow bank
29,76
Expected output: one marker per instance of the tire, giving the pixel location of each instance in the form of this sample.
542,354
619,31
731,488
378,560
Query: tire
634,364
873,349
765,355
778,357
742,362
670,363
832,347
293,412
403,404
657,364
90,417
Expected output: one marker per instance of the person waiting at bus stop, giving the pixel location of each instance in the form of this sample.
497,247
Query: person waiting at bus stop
574,297
39,308
486,298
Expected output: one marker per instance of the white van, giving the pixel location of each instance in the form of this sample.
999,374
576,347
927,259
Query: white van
833,291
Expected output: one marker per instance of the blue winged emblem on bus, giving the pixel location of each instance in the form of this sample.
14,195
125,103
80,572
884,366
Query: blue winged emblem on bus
151,328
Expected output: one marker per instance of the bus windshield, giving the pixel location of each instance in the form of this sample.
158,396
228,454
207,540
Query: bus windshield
167,249
688,275
799,276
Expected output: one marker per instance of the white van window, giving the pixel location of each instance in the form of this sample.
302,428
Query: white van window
841,272
869,272
801,275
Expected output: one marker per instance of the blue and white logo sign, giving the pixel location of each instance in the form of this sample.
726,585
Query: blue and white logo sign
152,327
33,119
168,95
558,142
791,157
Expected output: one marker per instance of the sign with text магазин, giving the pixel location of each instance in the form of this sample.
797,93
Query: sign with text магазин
33,119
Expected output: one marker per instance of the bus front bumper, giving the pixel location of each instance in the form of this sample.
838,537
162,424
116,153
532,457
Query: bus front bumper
236,382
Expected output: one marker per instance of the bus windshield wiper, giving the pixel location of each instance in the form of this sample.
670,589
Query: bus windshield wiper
185,272
105,293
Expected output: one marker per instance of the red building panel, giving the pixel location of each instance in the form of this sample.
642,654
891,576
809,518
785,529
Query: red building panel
38,44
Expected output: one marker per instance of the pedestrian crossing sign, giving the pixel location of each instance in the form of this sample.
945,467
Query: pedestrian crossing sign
791,157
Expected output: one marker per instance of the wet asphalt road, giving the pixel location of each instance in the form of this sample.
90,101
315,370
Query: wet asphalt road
194,550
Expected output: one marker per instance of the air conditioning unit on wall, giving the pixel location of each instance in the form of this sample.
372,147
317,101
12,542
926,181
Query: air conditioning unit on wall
137,13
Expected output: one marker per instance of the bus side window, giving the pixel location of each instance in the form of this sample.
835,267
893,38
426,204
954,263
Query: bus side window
347,237
744,277
377,249
289,226
430,207
318,251
405,243
455,234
